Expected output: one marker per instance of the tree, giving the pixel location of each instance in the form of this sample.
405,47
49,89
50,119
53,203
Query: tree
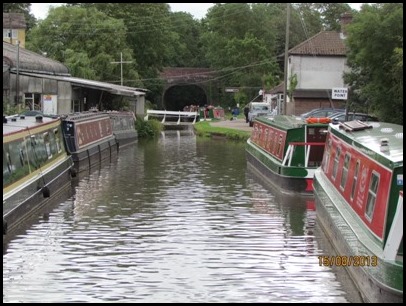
331,13
86,41
375,41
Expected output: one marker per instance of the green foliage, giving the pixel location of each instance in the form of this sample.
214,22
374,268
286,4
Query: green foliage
148,129
330,13
292,85
204,129
375,44
87,41
9,109
240,98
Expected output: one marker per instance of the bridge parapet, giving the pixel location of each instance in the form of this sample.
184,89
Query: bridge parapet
186,116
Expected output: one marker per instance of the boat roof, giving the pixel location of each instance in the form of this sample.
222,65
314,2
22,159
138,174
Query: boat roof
286,122
84,116
18,123
369,136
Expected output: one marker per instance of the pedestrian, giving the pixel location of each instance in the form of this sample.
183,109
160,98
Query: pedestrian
235,113
246,111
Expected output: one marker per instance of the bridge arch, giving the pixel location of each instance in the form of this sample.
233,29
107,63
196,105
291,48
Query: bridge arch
186,86
178,96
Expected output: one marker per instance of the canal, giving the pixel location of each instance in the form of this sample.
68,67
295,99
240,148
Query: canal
176,219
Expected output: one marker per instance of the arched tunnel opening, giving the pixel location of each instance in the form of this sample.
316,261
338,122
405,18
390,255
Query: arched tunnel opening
179,96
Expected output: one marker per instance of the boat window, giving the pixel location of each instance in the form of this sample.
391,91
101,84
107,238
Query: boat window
6,167
266,139
32,152
58,141
16,162
271,140
326,159
39,149
279,150
336,160
344,175
354,182
373,188
47,143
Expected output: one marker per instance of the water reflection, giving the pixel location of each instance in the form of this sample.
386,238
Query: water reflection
177,219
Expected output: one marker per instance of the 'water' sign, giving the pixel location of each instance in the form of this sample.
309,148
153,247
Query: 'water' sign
339,93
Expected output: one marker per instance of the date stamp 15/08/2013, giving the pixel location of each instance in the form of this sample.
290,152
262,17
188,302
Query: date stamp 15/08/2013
348,261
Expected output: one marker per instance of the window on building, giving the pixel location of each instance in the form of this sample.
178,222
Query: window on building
373,188
32,100
6,33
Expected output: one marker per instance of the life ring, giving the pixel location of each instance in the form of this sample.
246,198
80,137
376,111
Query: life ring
324,120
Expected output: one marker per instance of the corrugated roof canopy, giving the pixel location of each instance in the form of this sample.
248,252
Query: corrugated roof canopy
111,88
31,61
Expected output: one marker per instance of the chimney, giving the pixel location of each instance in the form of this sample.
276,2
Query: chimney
345,20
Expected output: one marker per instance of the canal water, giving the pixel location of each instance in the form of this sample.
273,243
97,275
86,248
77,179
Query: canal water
176,219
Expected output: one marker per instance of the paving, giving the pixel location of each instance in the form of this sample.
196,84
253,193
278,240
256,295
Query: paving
238,124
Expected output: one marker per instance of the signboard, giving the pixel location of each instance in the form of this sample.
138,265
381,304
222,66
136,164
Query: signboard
339,93
231,89
49,104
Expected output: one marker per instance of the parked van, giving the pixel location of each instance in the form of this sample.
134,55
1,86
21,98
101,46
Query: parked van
258,109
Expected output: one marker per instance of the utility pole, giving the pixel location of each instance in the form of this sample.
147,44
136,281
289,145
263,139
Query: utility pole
11,29
121,63
285,85
18,74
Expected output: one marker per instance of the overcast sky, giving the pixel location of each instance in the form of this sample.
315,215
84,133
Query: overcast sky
198,10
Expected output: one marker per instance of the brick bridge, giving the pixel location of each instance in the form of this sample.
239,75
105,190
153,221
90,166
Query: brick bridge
186,86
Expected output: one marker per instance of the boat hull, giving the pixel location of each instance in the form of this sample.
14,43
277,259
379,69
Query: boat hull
94,155
380,283
287,179
21,204
124,130
125,138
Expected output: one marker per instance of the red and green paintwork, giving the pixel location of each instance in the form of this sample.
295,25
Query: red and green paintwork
289,149
359,194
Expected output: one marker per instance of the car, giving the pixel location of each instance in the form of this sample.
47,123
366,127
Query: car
258,109
353,116
321,112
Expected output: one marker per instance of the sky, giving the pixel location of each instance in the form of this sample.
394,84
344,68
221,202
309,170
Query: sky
198,10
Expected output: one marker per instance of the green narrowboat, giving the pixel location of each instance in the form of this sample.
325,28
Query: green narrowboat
287,150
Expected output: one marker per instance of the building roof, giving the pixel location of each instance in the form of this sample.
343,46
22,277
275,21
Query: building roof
328,43
276,89
31,61
14,21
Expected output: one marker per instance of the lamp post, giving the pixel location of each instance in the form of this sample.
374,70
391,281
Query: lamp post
285,82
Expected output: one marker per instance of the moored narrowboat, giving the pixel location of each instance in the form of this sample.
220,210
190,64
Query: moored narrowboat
287,150
89,139
359,203
123,124
36,166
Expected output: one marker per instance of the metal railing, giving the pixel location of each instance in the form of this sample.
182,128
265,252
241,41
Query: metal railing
172,114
